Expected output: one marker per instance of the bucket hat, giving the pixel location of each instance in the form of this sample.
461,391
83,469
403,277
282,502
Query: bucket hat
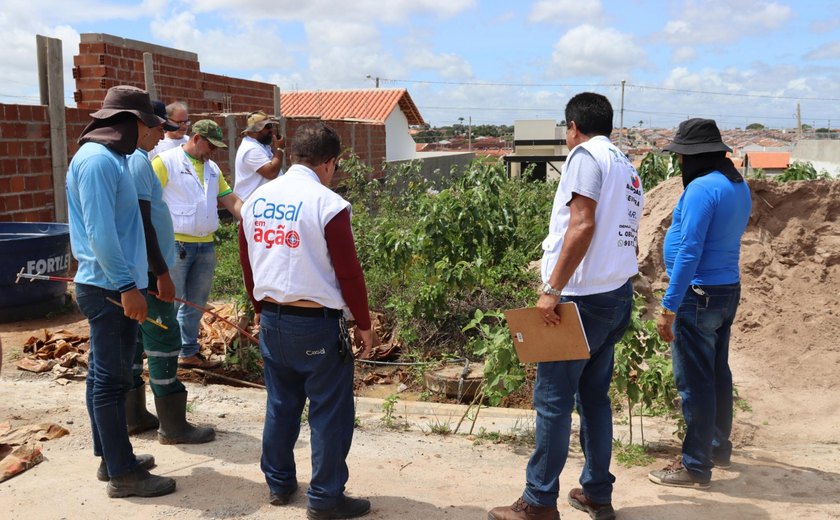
210,130
125,98
257,121
695,136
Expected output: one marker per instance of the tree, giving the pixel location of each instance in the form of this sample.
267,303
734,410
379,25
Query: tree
755,126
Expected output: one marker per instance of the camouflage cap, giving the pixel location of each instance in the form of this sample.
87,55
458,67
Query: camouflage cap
210,130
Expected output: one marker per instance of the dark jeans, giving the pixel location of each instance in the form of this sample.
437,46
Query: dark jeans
113,339
700,355
301,359
562,385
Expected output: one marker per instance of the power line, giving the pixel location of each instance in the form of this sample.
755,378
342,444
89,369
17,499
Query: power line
734,94
492,84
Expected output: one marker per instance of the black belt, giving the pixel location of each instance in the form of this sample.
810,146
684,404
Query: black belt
308,312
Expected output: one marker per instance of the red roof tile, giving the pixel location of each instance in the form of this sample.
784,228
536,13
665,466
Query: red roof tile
366,105
767,159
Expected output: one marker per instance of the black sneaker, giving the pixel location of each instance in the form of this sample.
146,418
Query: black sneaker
145,461
347,508
676,475
721,463
282,498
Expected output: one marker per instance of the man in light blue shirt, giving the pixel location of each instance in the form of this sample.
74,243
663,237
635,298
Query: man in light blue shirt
106,237
161,346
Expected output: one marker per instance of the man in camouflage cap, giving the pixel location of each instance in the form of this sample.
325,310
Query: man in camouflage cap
192,187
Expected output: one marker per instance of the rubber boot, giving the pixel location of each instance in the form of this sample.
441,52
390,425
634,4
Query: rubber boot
146,462
139,482
174,428
137,417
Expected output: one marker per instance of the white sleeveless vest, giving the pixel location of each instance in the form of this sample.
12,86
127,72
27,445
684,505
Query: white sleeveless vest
194,207
611,258
284,224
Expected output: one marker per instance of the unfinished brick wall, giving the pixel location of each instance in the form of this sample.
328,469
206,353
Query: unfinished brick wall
26,186
105,61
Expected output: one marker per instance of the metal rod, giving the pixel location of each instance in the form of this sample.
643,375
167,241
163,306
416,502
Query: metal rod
33,277
227,378
150,320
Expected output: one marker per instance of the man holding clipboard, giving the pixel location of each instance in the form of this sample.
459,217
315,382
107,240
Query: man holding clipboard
589,257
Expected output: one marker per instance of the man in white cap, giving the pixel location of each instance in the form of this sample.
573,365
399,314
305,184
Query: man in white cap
259,158
106,235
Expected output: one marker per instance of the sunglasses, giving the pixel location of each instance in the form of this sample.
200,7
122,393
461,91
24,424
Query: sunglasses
185,122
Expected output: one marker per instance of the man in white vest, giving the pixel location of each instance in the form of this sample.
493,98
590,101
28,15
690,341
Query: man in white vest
193,185
589,257
304,278
259,157
177,113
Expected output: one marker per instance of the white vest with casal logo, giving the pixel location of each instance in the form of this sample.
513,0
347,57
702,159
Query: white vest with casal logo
611,258
284,223
194,207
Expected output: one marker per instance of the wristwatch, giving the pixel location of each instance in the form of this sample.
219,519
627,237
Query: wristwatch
548,289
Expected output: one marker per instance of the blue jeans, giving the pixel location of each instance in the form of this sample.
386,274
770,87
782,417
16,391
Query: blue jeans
301,359
700,356
192,275
584,384
113,339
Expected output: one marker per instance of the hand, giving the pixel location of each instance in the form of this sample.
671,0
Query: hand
165,288
547,304
665,326
365,340
257,317
134,305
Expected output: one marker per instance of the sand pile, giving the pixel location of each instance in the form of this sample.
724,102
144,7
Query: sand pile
786,341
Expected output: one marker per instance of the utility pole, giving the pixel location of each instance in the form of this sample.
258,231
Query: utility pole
798,122
469,136
621,122
376,79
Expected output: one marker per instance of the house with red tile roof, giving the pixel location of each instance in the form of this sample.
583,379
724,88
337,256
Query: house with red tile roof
392,108
771,163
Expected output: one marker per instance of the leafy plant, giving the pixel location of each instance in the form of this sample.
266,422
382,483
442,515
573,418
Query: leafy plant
643,377
656,168
629,455
503,373
801,171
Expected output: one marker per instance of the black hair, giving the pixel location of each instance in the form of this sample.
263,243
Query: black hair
592,114
314,144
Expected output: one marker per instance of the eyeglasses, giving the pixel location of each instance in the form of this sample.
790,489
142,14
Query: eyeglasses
185,122
268,126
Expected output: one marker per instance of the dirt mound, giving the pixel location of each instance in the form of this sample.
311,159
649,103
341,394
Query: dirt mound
786,340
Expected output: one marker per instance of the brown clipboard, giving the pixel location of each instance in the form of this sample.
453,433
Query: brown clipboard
535,341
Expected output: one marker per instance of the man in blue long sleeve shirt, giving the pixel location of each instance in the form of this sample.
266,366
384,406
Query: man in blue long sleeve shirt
106,236
702,248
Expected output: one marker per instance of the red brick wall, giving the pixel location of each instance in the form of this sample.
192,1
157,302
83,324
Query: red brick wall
100,66
26,191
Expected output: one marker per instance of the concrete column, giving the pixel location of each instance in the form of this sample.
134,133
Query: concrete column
51,82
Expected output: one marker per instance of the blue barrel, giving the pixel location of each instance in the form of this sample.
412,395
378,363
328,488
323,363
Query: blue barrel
37,248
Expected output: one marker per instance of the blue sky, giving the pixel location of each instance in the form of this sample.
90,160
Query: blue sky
737,61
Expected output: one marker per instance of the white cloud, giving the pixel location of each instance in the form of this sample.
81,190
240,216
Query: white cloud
827,51
567,12
683,54
449,66
391,11
722,21
590,51
245,46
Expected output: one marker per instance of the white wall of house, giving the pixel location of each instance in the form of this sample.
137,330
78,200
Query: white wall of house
398,143
823,154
